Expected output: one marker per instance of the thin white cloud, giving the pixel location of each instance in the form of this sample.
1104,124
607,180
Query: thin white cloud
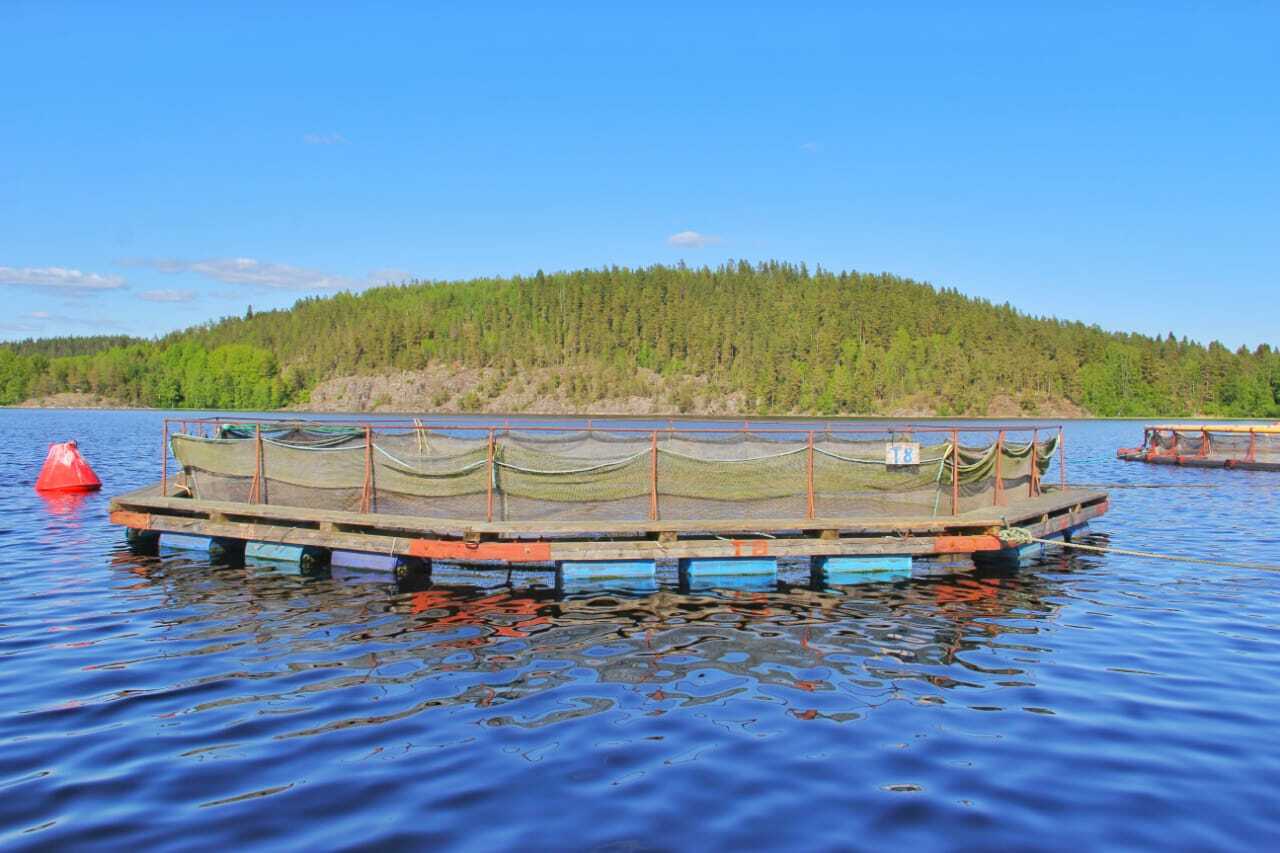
251,272
19,328
811,147
35,321
324,139
168,295
692,240
59,279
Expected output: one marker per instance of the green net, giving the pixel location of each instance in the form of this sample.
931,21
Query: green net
475,475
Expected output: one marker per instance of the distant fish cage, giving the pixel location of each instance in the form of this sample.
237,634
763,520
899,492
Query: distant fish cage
1255,448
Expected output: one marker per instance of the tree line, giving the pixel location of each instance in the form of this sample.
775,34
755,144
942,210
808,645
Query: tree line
789,340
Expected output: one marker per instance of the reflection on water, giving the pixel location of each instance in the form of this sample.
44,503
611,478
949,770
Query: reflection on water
832,654
67,504
1079,700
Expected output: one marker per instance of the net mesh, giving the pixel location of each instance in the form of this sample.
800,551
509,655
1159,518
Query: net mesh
475,475
1214,446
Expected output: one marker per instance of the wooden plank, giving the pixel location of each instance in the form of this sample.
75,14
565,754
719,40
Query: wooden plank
718,548
134,520
966,544
503,552
445,528
282,534
529,552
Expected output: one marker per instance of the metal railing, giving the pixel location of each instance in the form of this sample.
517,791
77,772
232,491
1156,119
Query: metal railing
803,431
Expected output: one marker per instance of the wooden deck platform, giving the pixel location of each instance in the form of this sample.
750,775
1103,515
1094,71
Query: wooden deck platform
538,544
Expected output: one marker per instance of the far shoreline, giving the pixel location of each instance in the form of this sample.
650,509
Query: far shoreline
303,414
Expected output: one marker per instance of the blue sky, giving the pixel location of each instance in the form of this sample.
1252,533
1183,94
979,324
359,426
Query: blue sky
1117,164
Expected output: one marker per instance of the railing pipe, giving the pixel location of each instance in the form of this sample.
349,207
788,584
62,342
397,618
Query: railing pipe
999,492
1062,460
164,461
366,495
489,470
1033,484
955,472
255,491
653,476
809,476
407,424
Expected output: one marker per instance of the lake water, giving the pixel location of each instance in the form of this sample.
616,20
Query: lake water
1080,701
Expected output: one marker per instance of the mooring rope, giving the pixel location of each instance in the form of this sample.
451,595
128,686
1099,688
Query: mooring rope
1022,536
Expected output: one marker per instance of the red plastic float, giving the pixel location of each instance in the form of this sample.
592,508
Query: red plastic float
66,471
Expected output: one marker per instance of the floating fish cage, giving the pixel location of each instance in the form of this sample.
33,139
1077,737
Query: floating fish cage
608,500
1254,448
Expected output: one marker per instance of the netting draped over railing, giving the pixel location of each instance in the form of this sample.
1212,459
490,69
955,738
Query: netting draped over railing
474,474
1225,443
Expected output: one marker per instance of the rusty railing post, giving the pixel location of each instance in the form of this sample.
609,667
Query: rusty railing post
488,494
1253,445
810,476
999,496
1062,460
653,476
366,494
1033,484
255,488
955,472
164,461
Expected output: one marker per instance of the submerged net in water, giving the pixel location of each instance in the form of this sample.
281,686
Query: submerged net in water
588,475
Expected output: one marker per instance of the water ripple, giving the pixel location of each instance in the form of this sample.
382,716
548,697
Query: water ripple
1082,700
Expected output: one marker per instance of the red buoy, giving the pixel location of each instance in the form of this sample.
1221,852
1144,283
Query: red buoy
66,471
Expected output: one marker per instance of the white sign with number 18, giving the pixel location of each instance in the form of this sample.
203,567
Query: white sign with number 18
902,453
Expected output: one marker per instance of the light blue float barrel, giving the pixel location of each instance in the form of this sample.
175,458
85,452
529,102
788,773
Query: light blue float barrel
216,548
841,570
747,573
587,575
304,556
401,566
184,542
606,569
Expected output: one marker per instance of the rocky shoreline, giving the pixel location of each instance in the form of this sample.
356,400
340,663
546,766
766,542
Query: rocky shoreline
451,390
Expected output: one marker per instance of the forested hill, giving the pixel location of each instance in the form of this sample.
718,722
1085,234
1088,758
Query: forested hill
773,338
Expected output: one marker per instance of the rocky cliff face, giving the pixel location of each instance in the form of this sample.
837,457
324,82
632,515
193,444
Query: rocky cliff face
458,390
455,389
